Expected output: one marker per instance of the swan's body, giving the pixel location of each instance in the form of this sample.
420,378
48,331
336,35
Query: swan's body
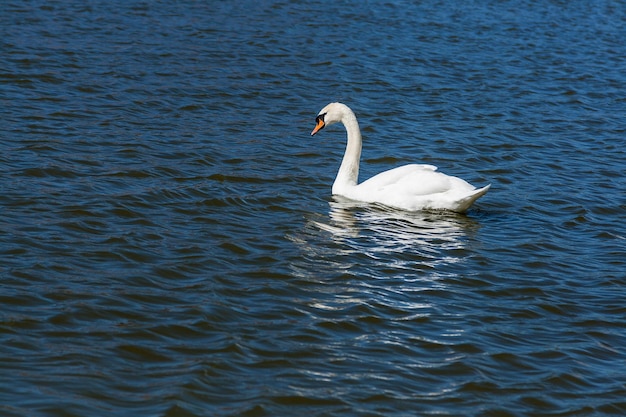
410,187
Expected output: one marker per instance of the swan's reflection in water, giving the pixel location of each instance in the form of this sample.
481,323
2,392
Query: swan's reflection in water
437,237
381,261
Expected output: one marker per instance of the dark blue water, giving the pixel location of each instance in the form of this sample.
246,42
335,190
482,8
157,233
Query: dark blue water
169,245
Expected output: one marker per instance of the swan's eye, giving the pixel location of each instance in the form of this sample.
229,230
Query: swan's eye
320,118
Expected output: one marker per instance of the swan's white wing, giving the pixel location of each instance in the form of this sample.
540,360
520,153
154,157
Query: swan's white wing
415,187
411,181
406,173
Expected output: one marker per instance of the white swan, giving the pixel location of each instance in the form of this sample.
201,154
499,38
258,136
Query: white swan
410,187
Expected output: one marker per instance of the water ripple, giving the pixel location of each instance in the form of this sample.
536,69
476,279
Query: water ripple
170,245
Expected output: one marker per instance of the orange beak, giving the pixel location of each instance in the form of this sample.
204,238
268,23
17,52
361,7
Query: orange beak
318,126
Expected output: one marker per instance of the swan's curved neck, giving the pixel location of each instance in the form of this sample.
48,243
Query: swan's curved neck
348,175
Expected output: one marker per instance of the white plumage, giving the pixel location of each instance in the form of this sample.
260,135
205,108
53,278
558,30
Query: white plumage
410,187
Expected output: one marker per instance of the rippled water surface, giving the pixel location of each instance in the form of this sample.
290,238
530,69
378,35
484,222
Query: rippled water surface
170,246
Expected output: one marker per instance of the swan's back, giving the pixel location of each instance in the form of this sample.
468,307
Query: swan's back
417,187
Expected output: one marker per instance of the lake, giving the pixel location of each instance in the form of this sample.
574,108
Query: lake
170,245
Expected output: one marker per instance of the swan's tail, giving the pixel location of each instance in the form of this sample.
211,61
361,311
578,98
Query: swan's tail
465,203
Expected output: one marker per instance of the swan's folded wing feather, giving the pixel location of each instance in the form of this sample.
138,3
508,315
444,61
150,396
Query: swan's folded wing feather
409,181
395,175
414,187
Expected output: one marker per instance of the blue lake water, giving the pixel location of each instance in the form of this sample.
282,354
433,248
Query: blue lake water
170,246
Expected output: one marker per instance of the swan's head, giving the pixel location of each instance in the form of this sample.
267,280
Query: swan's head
332,113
